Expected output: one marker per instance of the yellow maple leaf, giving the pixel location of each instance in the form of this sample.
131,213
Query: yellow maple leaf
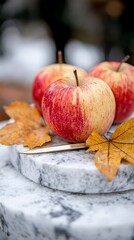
36,137
110,152
27,128
23,112
12,134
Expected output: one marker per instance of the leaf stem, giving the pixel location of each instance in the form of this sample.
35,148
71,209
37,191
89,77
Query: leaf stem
122,61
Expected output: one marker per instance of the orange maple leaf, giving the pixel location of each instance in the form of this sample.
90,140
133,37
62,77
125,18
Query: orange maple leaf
110,152
27,128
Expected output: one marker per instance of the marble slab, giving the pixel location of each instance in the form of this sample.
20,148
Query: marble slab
29,211
70,171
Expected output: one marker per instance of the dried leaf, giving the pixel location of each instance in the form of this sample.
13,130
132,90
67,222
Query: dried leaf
27,128
24,113
12,134
110,152
37,138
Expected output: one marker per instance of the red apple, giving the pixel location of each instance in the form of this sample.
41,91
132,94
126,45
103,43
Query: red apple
73,111
48,75
120,78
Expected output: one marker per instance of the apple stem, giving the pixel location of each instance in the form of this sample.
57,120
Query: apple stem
60,58
122,61
76,77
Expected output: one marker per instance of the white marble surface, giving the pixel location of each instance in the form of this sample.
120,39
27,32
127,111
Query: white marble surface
29,211
32,212
70,171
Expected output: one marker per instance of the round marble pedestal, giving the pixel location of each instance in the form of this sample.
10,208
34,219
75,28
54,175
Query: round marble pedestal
70,171
29,211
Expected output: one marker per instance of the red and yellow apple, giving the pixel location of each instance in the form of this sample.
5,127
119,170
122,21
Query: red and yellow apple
120,78
73,111
48,75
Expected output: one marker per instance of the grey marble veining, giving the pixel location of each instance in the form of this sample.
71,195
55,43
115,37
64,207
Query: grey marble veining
70,171
29,211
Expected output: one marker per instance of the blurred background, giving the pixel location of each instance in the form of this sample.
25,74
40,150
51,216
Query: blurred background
32,32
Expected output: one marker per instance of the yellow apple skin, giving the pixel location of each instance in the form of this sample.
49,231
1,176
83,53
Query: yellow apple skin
73,112
121,83
48,75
